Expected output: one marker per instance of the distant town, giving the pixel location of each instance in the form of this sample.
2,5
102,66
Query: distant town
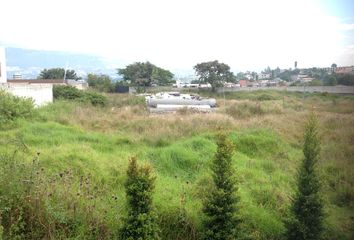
213,75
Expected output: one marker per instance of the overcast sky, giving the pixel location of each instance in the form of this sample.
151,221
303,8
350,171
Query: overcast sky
177,34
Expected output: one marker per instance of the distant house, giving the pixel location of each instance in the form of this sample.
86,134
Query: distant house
231,85
262,76
304,78
79,84
40,93
344,69
243,83
3,76
17,76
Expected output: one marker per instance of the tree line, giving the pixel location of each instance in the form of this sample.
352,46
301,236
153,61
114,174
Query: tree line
146,74
221,208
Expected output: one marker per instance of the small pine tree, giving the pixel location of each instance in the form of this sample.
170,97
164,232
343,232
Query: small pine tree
141,221
221,206
306,222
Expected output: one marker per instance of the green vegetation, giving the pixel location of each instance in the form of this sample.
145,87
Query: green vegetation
145,74
214,73
102,82
307,207
71,93
12,108
63,171
141,220
221,206
345,79
57,73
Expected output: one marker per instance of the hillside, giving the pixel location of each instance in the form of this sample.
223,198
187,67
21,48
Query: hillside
63,170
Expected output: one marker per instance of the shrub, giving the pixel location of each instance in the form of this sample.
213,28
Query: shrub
95,99
306,222
66,92
72,93
13,107
221,210
38,205
101,82
141,222
265,97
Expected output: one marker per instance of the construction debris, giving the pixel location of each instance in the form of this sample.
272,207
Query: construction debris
173,101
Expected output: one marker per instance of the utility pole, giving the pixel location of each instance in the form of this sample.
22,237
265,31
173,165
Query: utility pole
66,68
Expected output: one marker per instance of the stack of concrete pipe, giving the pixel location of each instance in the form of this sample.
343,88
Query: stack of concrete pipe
165,102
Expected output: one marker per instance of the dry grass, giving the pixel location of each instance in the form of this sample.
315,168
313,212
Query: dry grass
268,136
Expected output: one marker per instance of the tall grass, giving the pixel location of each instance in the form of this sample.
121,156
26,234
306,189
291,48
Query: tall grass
84,152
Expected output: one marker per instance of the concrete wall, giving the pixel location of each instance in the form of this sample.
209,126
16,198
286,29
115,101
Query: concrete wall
40,93
311,89
3,76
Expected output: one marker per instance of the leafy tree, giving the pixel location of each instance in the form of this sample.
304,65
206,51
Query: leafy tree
214,73
267,70
57,73
345,79
286,75
240,76
161,76
333,65
141,220
254,76
100,82
329,80
315,82
145,73
220,207
306,222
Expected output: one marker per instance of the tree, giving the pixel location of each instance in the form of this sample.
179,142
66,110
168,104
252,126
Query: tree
267,70
220,207
145,73
240,76
100,82
334,65
329,80
162,77
345,79
141,220
57,73
306,222
214,73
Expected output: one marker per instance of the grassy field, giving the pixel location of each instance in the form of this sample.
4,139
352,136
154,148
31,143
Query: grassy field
64,169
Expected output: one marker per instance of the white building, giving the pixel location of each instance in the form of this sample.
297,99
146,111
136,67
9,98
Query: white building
17,76
3,76
40,93
262,76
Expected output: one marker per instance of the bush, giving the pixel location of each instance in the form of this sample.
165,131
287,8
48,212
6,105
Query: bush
141,222
72,93
95,98
345,79
307,217
66,92
101,82
12,107
221,207
265,97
